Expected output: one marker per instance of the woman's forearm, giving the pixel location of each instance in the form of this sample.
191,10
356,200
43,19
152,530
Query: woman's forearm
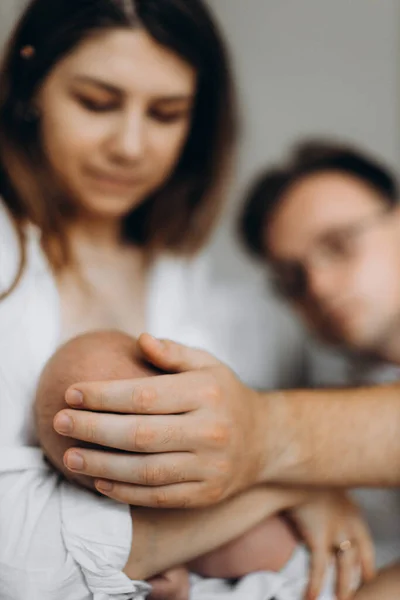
342,437
166,538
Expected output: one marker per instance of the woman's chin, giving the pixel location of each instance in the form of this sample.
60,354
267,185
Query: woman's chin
112,207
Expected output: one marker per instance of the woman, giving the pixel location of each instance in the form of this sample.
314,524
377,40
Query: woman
116,125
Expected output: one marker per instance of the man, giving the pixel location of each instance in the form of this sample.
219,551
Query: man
328,222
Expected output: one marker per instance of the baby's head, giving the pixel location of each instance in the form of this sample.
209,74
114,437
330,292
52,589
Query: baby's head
97,356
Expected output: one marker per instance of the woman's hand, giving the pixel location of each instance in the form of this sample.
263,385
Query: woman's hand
190,439
330,523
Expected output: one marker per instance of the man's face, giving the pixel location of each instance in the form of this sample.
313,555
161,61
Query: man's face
335,251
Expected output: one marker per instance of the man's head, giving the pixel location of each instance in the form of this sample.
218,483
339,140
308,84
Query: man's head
328,222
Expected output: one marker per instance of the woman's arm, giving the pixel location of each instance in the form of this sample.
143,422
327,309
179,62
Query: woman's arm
164,538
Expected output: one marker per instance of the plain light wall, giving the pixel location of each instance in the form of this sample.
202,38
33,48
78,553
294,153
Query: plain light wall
9,12
311,67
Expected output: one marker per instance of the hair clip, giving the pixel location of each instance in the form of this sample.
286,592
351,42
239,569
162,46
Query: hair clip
28,52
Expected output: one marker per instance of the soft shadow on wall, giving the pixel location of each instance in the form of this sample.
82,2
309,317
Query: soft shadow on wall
310,68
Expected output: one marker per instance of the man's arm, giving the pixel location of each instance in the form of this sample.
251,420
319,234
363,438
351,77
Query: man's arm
341,437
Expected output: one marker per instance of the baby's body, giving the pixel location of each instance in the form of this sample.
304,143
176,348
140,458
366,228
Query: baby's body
113,355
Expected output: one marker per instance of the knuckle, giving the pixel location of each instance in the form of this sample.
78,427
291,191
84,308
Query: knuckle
185,502
143,399
213,389
102,399
160,498
218,435
167,435
140,437
150,475
215,494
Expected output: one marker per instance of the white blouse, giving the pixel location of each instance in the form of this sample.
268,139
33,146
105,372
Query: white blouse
59,541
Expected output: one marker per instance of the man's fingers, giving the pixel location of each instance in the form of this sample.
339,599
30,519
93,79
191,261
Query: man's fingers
172,433
319,561
158,395
141,469
179,495
173,357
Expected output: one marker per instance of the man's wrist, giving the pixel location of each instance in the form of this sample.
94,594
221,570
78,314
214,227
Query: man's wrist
280,454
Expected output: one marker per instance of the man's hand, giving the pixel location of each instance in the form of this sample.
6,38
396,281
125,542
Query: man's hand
190,439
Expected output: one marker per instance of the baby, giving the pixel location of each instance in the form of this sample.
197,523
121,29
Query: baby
110,355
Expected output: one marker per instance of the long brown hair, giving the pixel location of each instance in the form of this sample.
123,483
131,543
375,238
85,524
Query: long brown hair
179,216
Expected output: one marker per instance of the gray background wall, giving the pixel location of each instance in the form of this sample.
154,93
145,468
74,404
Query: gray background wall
9,11
309,67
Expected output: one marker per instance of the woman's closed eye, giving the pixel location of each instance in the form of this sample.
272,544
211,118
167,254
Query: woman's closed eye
169,117
98,106
162,116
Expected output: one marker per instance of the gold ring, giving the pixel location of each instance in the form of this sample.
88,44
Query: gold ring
343,547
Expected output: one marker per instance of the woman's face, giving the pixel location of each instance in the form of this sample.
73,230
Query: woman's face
115,115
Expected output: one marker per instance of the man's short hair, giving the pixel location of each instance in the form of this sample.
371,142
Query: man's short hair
307,158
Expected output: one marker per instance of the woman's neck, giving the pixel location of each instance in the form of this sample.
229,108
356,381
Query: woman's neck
96,235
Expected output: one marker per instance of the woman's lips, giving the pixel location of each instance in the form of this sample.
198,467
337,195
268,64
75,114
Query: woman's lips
115,181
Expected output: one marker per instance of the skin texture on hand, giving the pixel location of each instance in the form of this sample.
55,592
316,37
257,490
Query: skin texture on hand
198,436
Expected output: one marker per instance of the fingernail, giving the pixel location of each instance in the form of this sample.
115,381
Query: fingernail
74,461
156,340
74,398
63,424
104,486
